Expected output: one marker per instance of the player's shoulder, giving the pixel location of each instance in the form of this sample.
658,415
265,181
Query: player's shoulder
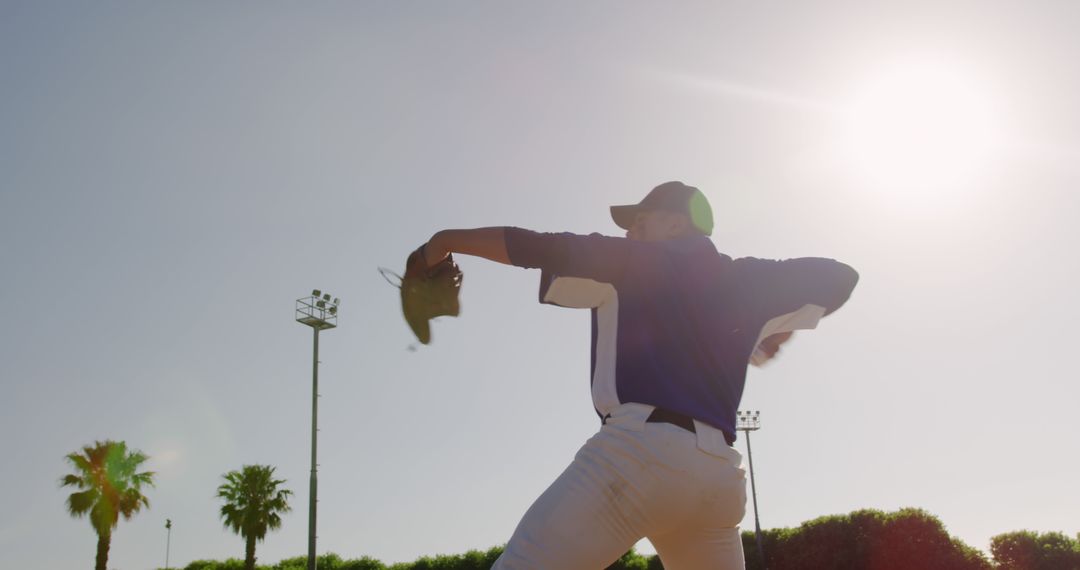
753,271
791,268
750,261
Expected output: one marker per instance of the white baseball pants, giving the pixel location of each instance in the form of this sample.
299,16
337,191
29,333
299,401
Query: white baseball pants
685,492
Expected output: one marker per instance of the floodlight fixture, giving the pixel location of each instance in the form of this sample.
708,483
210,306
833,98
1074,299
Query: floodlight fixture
747,421
312,311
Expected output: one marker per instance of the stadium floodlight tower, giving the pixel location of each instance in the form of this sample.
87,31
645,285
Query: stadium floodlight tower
748,422
319,313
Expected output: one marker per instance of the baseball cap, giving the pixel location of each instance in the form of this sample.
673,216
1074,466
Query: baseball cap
669,197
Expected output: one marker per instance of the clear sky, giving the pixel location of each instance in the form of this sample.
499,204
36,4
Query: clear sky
173,175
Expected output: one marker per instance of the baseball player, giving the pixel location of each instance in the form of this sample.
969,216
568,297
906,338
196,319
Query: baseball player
674,325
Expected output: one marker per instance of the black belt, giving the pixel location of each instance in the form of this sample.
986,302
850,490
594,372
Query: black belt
660,415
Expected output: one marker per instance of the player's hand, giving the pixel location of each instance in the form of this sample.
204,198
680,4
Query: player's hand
429,290
771,344
435,250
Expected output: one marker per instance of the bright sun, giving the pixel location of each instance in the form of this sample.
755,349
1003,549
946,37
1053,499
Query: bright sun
920,130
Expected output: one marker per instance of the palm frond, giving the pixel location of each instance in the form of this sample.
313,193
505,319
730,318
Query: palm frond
70,480
78,504
80,462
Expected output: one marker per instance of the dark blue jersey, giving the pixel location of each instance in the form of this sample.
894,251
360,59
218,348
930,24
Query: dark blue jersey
675,323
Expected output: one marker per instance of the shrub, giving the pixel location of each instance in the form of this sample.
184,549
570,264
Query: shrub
364,563
471,560
294,563
861,540
329,561
1026,550
870,539
230,564
630,561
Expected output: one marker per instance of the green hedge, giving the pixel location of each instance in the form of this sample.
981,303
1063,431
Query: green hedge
1026,550
471,560
902,540
908,539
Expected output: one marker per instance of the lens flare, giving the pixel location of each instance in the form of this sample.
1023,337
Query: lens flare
921,129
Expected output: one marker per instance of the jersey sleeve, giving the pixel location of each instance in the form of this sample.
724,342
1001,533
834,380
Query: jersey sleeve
594,256
775,288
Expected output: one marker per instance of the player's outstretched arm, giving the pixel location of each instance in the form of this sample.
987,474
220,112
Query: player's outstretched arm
489,243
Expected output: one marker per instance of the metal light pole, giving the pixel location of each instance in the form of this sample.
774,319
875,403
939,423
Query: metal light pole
748,422
319,313
168,539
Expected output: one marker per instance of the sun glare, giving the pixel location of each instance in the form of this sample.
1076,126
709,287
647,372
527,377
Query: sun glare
921,130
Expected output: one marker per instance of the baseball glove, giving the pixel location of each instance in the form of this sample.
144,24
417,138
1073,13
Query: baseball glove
429,292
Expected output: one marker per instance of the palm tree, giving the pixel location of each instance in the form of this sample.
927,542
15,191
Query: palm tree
253,502
110,485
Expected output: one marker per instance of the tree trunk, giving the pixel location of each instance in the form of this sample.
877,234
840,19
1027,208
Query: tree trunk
102,551
249,554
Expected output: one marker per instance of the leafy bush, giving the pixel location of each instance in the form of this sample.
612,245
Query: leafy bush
230,564
329,561
862,540
365,563
905,539
1026,550
471,560
631,561
295,563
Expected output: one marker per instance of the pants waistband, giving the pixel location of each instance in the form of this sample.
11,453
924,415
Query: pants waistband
634,416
